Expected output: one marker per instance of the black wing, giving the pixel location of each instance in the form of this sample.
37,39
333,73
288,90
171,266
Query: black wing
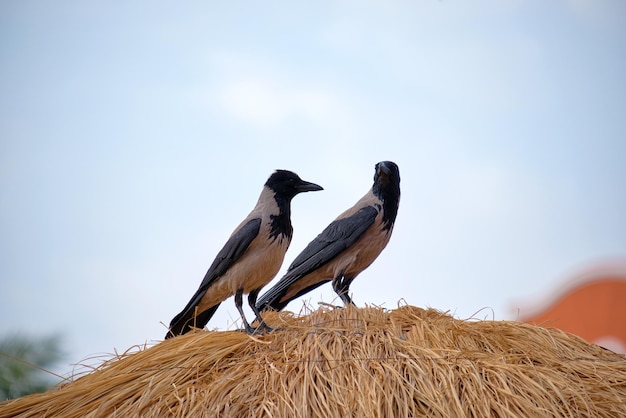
234,248
236,245
337,236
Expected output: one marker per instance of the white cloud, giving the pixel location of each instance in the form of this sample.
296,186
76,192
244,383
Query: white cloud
266,103
266,91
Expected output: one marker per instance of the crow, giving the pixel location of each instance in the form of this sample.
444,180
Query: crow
346,247
250,258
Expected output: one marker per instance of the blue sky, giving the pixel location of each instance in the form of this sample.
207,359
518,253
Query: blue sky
134,136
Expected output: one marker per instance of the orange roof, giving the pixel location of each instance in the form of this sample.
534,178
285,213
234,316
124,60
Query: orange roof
591,305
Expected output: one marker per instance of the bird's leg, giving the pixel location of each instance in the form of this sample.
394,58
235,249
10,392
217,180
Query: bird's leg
341,286
238,304
347,300
252,302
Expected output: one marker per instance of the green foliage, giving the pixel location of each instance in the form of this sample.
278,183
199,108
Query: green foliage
21,362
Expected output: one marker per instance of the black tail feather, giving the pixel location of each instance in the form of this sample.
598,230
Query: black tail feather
274,302
186,321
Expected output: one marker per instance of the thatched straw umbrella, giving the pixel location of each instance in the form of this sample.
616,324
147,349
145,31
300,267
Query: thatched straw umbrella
366,362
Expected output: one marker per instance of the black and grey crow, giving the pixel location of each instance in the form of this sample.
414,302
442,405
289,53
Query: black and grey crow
250,258
346,247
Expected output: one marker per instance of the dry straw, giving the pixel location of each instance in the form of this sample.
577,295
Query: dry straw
366,362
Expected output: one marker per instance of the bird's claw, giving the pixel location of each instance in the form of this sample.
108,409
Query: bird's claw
263,328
